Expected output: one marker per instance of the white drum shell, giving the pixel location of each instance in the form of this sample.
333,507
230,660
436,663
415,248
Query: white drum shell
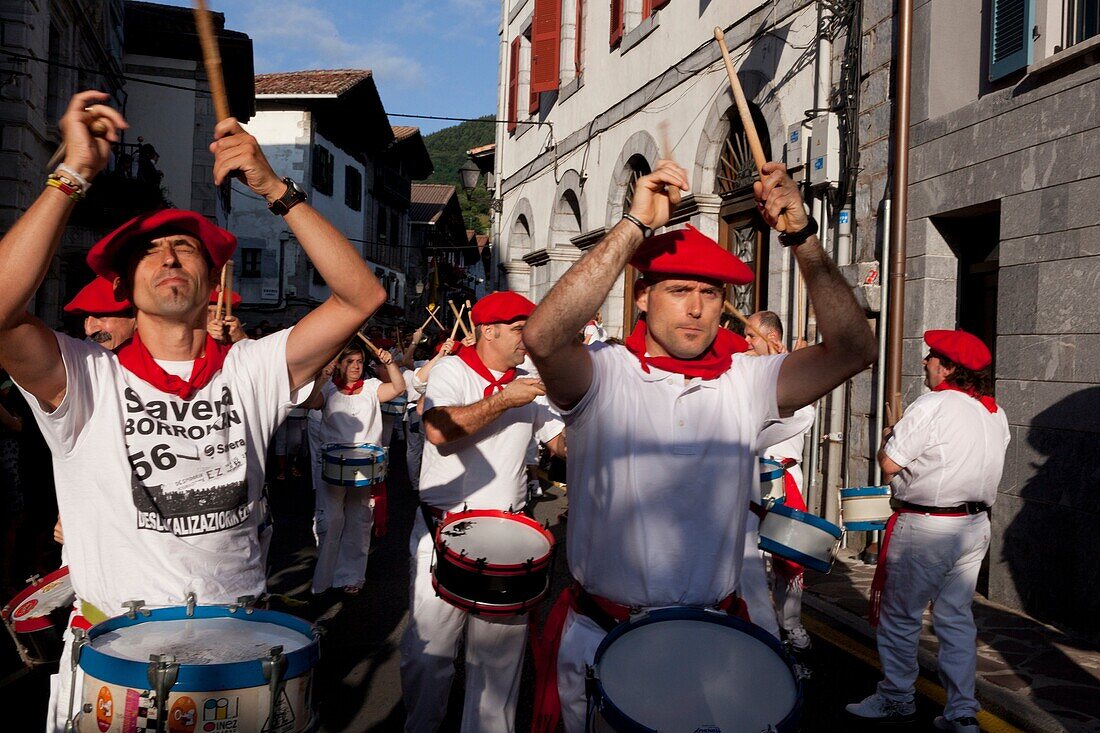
799,536
866,508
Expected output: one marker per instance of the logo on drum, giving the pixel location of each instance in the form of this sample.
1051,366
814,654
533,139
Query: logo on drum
708,729
104,709
26,608
183,715
220,714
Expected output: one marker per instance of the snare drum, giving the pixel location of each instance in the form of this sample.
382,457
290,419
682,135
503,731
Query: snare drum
37,616
772,480
351,465
223,663
803,538
492,563
686,669
396,406
866,508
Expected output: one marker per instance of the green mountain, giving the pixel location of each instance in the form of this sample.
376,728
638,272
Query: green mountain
448,150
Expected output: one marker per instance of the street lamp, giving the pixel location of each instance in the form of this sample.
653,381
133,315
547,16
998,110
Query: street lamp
469,173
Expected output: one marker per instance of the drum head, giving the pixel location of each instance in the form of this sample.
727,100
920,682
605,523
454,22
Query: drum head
42,598
199,640
500,540
684,674
361,454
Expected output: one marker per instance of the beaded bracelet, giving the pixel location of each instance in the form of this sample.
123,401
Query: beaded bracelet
72,189
76,177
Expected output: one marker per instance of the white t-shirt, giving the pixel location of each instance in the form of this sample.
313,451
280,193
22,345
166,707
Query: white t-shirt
786,438
354,418
660,473
594,332
158,495
486,470
951,449
414,390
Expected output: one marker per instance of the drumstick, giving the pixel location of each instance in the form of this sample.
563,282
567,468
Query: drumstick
227,288
470,315
458,322
426,322
211,59
730,308
666,153
431,315
218,312
798,326
743,111
458,316
98,128
366,341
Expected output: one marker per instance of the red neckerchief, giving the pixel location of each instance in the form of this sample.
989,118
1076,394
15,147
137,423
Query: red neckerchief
136,359
473,360
711,364
987,402
344,386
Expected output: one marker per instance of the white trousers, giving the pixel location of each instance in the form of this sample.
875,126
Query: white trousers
344,519
754,589
932,559
788,602
494,655
579,640
414,452
57,714
288,438
313,433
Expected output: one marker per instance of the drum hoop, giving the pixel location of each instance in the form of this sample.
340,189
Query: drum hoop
788,553
199,677
865,526
352,483
480,608
773,475
30,590
618,718
806,518
864,491
467,561
379,455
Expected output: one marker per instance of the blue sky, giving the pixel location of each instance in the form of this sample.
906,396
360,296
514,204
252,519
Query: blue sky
435,57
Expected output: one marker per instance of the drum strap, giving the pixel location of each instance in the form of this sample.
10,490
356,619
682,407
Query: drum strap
432,516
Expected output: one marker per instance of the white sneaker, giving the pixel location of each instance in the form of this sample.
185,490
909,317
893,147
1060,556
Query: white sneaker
878,708
799,639
958,725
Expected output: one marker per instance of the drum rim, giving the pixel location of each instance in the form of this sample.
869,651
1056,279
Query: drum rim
480,608
767,544
378,452
467,562
199,677
805,517
8,612
687,613
858,491
865,526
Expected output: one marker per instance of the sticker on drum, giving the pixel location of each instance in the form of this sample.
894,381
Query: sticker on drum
353,465
687,669
222,659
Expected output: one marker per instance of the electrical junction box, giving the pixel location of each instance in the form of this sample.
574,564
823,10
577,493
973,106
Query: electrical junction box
795,145
824,156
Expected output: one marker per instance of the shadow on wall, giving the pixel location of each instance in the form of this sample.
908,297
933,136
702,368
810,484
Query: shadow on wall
1050,546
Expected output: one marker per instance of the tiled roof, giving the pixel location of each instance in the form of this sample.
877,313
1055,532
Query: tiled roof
482,240
481,149
428,200
335,81
404,132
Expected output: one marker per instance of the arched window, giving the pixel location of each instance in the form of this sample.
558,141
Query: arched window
638,167
520,243
566,223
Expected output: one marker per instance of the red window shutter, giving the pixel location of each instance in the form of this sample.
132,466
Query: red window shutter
647,8
656,4
616,22
513,85
532,101
578,45
545,45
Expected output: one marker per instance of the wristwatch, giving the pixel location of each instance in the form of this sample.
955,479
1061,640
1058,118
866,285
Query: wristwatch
793,239
293,196
646,231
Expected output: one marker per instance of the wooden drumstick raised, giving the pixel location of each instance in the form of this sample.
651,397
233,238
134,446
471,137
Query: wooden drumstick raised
470,316
458,321
98,128
742,104
431,316
227,287
219,311
730,308
211,59
366,341
458,317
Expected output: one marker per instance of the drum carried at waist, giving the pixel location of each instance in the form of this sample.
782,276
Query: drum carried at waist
865,508
353,465
772,482
37,616
687,669
198,668
396,406
492,563
800,537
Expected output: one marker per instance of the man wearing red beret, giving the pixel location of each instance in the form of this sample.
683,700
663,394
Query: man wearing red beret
107,321
159,449
663,432
480,413
943,460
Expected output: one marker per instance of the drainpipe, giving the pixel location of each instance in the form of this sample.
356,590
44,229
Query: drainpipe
880,361
899,197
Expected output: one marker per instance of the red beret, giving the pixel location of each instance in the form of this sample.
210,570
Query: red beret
97,298
219,243
503,306
965,349
234,296
689,253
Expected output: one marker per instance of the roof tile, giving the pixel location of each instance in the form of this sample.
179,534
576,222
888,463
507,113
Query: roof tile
330,81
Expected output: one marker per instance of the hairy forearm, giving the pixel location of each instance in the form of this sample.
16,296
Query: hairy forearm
343,270
580,293
445,424
27,249
840,319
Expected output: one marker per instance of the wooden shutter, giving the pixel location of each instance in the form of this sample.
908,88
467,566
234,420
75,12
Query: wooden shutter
578,34
656,4
616,22
1010,37
545,46
513,85
532,100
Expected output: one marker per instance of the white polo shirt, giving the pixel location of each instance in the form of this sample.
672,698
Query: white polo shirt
951,448
660,472
486,470
352,418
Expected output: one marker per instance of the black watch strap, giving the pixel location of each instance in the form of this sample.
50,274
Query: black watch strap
796,238
293,196
646,231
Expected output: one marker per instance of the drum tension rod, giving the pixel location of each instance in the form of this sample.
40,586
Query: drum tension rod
162,672
245,602
135,607
274,668
191,603
80,638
